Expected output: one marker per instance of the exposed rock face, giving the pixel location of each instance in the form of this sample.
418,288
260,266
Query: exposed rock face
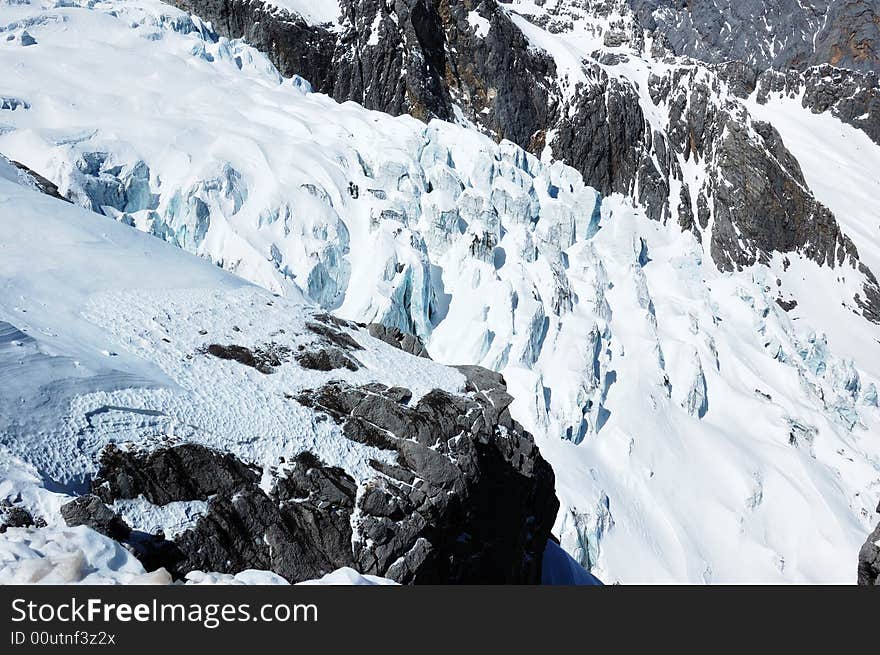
395,337
186,472
436,58
326,359
437,507
13,516
264,358
419,57
91,512
869,559
755,190
334,346
606,137
767,33
467,499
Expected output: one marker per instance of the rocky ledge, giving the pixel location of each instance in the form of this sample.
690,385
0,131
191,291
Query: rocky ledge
464,496
869,559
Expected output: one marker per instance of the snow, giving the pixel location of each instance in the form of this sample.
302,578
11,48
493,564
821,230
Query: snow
80,555
248,577
316,12
480,25
79,286
68,556
100,330
664,393
171,519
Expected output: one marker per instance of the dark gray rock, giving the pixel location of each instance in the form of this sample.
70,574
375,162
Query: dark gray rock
334,336
301,530
182,473
325,359
607,139
869,559
43,184
13,516
395,337
778,34
333,346
265,358
435,515
468,499
93,513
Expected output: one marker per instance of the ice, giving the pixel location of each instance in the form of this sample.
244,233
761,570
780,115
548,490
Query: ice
66,556
656,386
583,532
314,11
697,402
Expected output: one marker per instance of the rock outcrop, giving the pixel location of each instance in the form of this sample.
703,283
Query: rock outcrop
27,176
755,193
779,34
393,336
186,472
464,496
869,559
14,516
91,512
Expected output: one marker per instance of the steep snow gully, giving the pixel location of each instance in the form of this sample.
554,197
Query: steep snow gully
667,254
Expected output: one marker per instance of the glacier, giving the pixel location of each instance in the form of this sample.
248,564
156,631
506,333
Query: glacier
700,432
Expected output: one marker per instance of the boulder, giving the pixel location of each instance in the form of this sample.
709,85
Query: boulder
869,559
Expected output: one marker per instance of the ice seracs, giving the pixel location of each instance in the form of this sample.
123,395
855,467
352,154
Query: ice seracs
659,387
202,423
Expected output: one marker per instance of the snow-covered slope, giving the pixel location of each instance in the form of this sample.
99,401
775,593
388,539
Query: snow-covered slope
100,323
846,177
180,396
100,336
315,12
702,426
